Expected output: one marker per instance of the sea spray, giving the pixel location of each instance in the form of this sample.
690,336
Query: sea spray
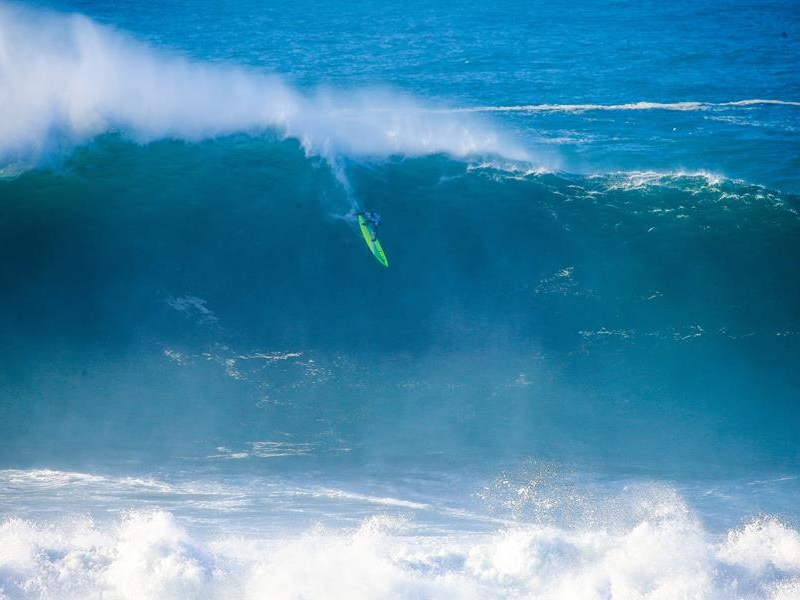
657,548
68,79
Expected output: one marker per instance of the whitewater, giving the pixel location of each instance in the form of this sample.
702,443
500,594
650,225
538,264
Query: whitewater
73,80
577,379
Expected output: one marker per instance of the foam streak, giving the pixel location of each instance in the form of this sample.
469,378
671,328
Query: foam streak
674,106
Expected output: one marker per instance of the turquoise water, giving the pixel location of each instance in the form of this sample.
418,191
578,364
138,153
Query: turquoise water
577,378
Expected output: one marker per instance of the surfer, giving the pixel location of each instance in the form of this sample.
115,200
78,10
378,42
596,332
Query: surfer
371,219
373,222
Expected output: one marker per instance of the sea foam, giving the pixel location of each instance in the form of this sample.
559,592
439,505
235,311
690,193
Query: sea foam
664,552
65,79
683,106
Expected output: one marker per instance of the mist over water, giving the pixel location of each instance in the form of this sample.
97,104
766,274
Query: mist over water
577,378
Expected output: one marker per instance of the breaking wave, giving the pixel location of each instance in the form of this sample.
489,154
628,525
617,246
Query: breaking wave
68,79
652,547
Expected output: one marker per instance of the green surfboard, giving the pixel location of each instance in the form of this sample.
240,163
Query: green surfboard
374,245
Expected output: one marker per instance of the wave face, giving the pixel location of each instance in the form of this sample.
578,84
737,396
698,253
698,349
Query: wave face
634,316
577,377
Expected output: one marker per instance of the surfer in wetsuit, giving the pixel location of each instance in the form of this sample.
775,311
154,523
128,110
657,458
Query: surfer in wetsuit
373,221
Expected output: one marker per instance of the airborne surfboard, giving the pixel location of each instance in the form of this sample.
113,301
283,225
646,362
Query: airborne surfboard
373,244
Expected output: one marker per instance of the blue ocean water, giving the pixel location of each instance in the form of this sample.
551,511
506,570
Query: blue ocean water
576,379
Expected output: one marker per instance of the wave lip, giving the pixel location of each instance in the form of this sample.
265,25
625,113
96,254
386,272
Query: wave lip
68,79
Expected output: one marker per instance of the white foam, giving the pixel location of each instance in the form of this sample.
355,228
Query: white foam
145,556
684,106
650,547
47,478
634,180
65,79
763,545
758,101
379,500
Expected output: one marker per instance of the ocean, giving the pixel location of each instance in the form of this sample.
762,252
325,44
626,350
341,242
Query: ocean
576,379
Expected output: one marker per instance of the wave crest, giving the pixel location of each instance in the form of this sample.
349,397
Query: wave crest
68,79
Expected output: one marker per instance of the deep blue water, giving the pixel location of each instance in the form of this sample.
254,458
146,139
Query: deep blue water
576,379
